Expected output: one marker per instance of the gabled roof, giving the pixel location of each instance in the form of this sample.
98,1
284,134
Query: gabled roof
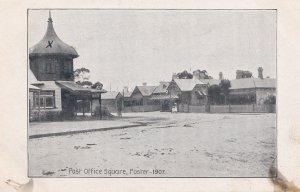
187,84
265,83
33,88
110,95
211,81
127,94
52,45
145,89
247,83
162,88
31,78
72,86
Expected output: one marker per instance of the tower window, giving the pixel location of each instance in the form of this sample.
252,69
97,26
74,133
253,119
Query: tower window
50,67
68,67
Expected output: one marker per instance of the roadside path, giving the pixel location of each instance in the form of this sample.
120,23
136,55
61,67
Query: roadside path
38,130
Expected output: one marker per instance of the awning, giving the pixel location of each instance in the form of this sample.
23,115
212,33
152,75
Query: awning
33,88
164,97
75,88
201,93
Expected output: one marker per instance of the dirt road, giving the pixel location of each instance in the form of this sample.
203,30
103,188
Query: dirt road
170,145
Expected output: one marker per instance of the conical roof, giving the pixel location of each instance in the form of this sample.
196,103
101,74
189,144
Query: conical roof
51,44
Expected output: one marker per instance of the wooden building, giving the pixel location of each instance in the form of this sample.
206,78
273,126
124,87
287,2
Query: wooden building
111,100
189,92
140,100
251,90
160,94
51,63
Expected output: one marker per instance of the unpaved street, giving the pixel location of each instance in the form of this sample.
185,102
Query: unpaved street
168,145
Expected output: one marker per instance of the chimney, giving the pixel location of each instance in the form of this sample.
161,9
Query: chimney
201,75
174,76
260,73
196,74
239,74
125,89
220,76
144,84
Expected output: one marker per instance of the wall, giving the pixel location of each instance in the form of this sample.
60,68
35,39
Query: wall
49,86
197,109
219,108
63,68
243,108
145,108
263,93
196,99
110,104
185,97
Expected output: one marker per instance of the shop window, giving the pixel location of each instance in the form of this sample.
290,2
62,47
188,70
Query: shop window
46,101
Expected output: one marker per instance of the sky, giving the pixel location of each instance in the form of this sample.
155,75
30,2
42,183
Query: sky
130,47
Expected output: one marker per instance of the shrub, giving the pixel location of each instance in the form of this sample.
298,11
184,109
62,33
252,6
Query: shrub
45,115
104,111
270,100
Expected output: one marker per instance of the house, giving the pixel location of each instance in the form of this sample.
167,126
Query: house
111,100
185,92
252,90
160,95
51,71
141,101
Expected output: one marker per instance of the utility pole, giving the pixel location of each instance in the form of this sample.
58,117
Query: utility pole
100,105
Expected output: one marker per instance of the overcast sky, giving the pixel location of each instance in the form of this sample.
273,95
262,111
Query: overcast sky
129,47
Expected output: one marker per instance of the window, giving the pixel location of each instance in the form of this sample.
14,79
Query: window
67,67
50,67
47,100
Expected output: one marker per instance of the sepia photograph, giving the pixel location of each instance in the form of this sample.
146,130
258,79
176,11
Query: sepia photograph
152,93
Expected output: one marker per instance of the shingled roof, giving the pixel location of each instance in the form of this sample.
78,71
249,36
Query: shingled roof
127,93
187,84
110,95
162,88
146,90
247,83
211,81
51,44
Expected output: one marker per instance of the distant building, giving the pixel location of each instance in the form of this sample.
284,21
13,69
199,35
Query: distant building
185,92
51,71
140,99
252,90
161,96
111,100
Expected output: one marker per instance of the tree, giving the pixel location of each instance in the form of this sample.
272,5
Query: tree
204,74
270,100
214,94
82,74
224,86
97,85
240,74
84,83
184,75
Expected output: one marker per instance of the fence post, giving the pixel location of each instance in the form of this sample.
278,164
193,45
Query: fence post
253,110
229,108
